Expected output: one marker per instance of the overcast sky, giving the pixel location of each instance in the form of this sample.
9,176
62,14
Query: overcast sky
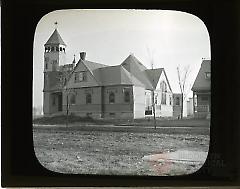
169,38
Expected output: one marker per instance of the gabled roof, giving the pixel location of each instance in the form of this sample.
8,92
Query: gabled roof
55,39
201,83
116,75
130,72
136,68
154,75
93,65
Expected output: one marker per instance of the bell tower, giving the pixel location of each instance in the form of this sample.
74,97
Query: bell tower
55,52
54,57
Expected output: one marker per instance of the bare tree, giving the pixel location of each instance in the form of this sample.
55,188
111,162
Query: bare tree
151,54
183,74
63,85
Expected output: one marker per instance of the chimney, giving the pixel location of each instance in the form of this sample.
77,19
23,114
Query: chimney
82,55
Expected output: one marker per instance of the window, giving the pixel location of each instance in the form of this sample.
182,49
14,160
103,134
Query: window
111,97
204,98
88,114
46,59
73,99
60,48
163,98
46,66
82,76
88,98
170,100
53,100
148,104
112,114
126,96
156,100
75,77
79,76
57,49
52,48
163,88
177,101
208,75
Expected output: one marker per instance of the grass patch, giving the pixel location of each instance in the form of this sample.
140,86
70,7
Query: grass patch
61,119
73,119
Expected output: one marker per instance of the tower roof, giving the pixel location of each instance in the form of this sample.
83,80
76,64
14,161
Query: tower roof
55,39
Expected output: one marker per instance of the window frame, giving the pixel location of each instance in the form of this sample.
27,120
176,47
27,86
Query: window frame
88,98
127,96
111,98
177,101
71,101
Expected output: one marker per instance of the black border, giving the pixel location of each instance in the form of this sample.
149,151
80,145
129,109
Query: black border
19,165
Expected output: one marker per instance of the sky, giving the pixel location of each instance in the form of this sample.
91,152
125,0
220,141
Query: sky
166,38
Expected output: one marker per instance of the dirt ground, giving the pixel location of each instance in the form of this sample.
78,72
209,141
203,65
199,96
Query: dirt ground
116,150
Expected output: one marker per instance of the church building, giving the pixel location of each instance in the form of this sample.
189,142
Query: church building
86,88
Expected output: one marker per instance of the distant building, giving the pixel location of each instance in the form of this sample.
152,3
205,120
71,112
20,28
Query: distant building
177,104
92,89
190,107
202,91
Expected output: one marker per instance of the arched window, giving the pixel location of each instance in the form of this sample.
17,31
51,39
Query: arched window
73,99
163,88
88,99
126,96
60,48
111,97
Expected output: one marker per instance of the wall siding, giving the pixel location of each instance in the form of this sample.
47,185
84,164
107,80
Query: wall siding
139,102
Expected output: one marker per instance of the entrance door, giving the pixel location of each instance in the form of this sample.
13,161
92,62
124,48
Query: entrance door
60,102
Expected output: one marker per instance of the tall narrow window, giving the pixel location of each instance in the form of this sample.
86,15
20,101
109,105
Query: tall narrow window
76,77
177,101
127,96
88,98
53,100
73,99
111,97
82,76
163,87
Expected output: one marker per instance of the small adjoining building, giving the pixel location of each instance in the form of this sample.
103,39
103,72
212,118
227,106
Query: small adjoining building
87,88
202,91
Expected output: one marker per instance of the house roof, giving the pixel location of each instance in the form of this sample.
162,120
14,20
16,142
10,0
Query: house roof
93,65
154,75
115,75
55,39
201,83
136,68
130,72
